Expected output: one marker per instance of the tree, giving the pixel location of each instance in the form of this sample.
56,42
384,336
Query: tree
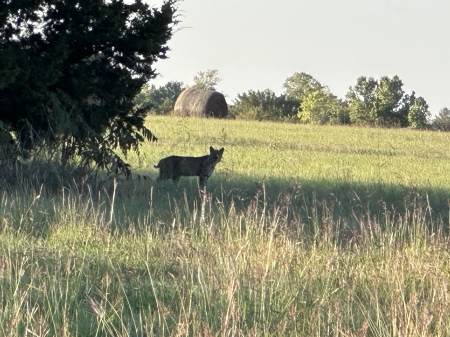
72,69
321,107
442,120
382,103
159,101
264,105
361,99
300,84
206,80
388,103
419,114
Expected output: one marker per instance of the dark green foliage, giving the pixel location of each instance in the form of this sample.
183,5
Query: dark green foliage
159,101
264,105
71,69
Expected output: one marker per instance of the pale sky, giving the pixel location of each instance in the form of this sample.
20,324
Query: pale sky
258,44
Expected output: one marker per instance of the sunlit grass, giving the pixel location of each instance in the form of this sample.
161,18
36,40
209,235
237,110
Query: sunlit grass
276,150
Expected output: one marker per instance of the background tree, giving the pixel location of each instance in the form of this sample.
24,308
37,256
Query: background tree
264,105
321,107
161,100
381,103
442,120
361,98
206,79
418,114
388,102
71,69
300,84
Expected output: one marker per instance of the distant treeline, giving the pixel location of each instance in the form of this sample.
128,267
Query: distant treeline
371,102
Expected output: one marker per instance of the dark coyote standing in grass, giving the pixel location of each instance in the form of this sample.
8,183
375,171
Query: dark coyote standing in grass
174,167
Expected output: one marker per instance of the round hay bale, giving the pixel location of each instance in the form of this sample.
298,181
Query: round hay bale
201,103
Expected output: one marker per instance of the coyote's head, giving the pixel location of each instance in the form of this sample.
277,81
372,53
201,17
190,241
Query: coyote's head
215,156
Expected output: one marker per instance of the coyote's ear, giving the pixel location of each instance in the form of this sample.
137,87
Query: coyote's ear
211,149
221,151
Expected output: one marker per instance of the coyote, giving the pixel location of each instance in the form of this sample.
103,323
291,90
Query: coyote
174,167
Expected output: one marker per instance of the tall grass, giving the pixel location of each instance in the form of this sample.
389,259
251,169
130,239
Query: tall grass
284,250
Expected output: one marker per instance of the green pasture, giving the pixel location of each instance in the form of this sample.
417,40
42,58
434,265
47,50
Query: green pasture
304,231
335,154
355,170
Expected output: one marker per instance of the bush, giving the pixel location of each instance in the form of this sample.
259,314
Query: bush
264,105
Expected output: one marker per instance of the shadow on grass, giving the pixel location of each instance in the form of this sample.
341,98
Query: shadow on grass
140,204
301,201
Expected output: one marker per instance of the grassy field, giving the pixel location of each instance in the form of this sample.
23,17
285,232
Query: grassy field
306,231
